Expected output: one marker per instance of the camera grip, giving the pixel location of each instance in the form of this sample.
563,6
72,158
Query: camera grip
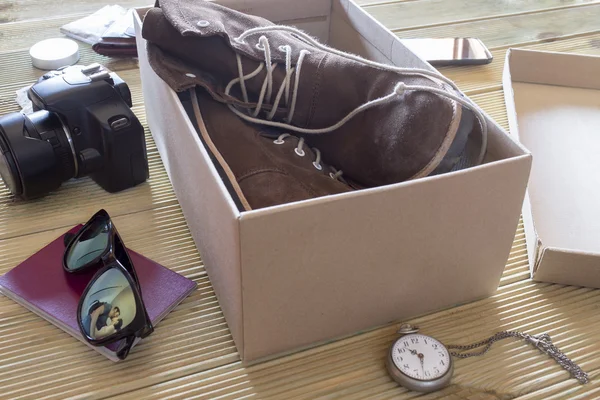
123,148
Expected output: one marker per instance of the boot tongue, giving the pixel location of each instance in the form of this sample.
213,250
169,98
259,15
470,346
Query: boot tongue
306,72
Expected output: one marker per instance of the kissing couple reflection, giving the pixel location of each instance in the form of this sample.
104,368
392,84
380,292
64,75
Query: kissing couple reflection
102,320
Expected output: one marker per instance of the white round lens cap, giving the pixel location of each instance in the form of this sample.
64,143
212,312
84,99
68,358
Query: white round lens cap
54,53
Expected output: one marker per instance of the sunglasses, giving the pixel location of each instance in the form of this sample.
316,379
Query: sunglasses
111,308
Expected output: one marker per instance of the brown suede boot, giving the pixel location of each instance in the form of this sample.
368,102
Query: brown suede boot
261,165
379,123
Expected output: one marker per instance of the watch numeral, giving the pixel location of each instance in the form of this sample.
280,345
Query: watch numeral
436,370
414,340
427,374
401,351
406,366
441,354
435,346
425,341
405,343
442,362
416,371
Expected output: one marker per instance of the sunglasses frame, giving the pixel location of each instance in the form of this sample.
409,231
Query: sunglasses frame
140,326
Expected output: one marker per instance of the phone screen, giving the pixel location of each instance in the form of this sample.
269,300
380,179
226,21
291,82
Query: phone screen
450,50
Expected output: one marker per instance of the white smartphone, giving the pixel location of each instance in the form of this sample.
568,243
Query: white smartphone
450,51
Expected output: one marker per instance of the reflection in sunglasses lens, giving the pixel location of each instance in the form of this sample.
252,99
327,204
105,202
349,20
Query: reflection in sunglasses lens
108,306
92,242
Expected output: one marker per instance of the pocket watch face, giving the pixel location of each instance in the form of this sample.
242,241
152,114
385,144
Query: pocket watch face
420,357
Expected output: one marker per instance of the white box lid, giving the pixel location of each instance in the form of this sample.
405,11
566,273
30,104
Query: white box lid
553,105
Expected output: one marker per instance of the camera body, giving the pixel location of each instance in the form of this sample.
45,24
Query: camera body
95,108
82,125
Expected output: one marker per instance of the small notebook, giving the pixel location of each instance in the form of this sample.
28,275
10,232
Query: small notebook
41,285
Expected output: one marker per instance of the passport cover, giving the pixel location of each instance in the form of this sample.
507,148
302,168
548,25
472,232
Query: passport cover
41,285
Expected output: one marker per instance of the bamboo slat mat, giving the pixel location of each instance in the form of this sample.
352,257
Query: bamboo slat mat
191,354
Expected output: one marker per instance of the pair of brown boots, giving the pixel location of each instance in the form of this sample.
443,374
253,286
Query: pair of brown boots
288,118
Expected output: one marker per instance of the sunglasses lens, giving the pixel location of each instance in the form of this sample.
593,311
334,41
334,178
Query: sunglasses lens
90,245
108,305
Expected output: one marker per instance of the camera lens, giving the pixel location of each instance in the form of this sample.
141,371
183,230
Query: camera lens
36,153
8,168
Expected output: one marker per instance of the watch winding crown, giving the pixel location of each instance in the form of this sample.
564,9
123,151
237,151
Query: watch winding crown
406,329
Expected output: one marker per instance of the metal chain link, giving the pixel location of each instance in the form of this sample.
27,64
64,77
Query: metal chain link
542,342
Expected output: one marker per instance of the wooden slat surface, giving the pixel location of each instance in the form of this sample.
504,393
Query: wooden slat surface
353,368
518,29
19,10
408,15
191,353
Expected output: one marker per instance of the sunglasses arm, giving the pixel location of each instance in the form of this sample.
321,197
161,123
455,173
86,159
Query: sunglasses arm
68,238
125,346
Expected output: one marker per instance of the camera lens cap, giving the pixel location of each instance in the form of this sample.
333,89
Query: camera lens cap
54,53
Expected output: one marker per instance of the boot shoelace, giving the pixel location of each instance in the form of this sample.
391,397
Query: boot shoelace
299,150
290,98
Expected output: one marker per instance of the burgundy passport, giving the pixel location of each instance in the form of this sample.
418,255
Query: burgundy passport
41,285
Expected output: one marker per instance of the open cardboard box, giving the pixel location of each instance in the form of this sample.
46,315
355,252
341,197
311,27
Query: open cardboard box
303,273
553,105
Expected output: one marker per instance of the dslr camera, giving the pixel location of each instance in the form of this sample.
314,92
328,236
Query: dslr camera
82,125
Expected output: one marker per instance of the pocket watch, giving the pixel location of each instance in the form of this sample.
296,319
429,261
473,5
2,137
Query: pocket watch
423,364
419,362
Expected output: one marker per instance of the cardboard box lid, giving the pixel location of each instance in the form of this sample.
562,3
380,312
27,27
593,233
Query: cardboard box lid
553,106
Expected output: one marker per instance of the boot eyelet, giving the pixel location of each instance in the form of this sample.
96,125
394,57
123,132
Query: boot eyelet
278,141
331,175
259,46
190,75
203,23
317,166
301,153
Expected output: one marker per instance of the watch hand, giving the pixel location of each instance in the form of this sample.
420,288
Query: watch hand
422,359
413,352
